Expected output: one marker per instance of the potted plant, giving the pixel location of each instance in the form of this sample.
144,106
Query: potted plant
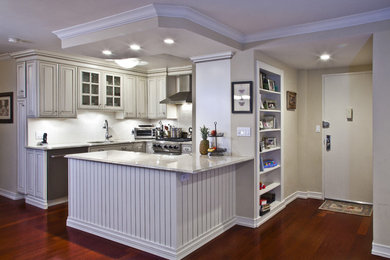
204,144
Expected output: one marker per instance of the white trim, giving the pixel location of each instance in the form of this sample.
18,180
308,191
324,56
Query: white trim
5,56
11,195
246,222
319,26
40,203
258,221
57,201
213,57
380,250
148,12
148,246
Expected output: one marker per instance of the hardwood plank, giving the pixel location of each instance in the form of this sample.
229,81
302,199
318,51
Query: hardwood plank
300,231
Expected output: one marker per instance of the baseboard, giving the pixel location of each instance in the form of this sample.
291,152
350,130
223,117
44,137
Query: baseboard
380,250
148,246
253,223
246,222
40,203
57,201
11,195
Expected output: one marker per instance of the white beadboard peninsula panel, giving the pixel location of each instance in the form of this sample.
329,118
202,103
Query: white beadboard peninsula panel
165,213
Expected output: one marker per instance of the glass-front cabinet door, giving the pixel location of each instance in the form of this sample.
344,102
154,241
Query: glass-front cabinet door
89,89
113,91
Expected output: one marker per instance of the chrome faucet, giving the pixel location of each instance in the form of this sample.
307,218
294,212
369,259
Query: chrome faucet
107,135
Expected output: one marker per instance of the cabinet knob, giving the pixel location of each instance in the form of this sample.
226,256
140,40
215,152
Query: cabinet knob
22,91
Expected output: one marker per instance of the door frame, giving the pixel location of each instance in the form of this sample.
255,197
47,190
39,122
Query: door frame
322,130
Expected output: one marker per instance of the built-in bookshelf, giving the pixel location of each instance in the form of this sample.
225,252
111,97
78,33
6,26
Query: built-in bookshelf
269,107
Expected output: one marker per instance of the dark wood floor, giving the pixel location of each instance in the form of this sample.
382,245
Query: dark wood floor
301,231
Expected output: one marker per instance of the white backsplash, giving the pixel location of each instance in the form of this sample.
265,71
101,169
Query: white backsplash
88,126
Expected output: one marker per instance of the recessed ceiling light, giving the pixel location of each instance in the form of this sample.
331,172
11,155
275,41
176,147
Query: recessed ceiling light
13,40
325,57
169,41
107,52
135,47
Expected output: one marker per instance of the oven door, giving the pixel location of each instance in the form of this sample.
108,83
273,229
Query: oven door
144,133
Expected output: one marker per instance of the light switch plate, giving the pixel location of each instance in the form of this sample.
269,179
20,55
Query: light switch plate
38,135
318,129
243,131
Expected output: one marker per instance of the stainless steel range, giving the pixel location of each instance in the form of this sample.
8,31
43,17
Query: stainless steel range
169,146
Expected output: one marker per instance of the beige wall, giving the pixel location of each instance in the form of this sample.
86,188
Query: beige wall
8,132
309,103
381,137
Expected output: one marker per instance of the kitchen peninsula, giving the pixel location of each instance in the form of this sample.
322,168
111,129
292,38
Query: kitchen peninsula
163,204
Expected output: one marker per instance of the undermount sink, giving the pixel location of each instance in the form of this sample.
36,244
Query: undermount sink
100,142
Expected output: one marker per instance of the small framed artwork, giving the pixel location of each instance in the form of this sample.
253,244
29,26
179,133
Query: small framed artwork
269,122
291,100
242,97
6,108
269,142
269,104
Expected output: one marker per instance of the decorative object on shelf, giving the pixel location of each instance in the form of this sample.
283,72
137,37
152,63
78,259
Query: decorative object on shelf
264,81
270,197
242,97
269,104
6,108
269,142
204,144
215,151
291,100
262,146
269,164
261,164
269,122
262,186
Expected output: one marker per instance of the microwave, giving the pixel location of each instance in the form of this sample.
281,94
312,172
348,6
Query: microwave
144,133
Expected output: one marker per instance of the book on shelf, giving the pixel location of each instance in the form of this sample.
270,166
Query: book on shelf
269,197
261,164
263,202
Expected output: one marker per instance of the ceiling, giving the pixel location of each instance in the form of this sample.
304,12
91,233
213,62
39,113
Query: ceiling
294,32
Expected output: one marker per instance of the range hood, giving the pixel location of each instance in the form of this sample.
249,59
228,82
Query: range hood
178,90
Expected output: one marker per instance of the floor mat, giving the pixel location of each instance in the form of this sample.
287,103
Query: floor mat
347,207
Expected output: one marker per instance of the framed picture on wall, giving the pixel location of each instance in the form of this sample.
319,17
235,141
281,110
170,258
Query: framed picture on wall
242,97
6,108
291,100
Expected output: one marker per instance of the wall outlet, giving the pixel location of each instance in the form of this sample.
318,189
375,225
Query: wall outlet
243,131
38,135
185,177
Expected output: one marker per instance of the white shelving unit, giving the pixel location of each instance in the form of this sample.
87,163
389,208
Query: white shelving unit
271,177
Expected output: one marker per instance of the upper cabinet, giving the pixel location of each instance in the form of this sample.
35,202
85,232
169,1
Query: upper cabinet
47,96
100,90
21,79
156,93
142,97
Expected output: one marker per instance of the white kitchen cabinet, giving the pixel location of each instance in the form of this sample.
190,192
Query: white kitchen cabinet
156,93
89,89
129,98
21,79
67,86
113,91
36,178
142,98
50,89
21,142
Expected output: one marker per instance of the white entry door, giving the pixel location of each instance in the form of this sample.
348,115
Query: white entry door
347,161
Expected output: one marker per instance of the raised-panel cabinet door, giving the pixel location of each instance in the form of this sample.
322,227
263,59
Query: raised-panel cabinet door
161,95
66,91
22,156
152,98
48,89
21,79
130,97
40,182
32,91
142,98
31,172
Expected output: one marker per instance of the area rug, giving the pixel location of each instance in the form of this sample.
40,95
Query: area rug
347,207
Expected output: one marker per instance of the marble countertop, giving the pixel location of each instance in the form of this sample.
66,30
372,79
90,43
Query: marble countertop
86,144
184,163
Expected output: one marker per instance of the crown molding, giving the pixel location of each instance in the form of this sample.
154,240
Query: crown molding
324,25
213,57
148,12
5,56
